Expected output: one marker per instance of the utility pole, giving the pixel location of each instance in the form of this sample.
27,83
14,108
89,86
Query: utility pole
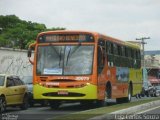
143,43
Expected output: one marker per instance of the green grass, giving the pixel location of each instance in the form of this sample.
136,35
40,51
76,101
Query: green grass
83,115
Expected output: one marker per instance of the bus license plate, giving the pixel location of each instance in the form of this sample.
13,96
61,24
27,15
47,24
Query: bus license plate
62,92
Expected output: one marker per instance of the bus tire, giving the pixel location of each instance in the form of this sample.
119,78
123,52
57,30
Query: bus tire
129,96
2,104
108,91
54,104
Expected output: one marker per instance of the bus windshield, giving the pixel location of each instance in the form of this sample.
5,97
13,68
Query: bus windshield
65,60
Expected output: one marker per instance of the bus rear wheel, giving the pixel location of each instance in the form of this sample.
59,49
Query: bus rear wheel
128,98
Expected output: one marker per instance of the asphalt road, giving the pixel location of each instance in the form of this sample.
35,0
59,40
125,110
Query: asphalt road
155,110
149,114
44,113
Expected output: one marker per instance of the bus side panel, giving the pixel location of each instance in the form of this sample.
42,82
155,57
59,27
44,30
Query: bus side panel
136,79
107,76
120,88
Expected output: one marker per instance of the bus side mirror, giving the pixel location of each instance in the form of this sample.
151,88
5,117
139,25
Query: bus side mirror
29,54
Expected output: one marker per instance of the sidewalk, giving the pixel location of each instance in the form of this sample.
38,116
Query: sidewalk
131,110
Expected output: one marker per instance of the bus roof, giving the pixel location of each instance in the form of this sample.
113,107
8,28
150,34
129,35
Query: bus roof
121,42
108,38
67,32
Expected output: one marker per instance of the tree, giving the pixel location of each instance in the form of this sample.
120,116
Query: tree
18,33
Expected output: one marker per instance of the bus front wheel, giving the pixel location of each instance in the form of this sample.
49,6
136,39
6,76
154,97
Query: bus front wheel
54,104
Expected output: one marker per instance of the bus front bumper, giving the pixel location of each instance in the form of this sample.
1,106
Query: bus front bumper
88,92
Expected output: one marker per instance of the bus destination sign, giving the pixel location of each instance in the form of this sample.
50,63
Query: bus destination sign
66,38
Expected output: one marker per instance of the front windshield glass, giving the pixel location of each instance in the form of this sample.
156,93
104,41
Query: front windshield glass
2,80
65,60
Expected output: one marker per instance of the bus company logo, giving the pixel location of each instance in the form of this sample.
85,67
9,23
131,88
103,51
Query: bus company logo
52,83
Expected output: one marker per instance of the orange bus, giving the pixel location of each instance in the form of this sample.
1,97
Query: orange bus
84,66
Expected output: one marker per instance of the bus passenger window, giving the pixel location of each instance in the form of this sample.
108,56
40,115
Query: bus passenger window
119,50
108,48
132,53
125,52
115,49
112,48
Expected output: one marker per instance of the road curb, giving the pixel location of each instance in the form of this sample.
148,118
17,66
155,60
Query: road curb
130,110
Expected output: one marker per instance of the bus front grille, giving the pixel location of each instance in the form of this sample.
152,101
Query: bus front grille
70,94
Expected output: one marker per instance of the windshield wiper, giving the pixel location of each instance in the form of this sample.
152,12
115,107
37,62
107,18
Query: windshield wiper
60,57
68,56
70,53
58,54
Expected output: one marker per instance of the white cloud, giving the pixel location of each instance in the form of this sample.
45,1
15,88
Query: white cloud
124,19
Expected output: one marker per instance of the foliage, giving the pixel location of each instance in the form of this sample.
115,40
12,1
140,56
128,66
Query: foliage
101,112
16,33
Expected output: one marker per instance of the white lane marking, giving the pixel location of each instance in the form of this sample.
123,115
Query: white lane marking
149,110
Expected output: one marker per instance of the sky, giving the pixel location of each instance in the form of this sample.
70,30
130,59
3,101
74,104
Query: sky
122,19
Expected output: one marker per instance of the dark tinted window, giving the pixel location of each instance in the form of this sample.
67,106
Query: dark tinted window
119,50
126,51
10,82
101,55
112,48
115,49
108,47
17,81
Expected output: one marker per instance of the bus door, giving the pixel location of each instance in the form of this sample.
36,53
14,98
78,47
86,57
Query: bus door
100,67
101,55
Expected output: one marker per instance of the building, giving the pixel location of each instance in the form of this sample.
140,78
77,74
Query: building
152,63
152,59
14,61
